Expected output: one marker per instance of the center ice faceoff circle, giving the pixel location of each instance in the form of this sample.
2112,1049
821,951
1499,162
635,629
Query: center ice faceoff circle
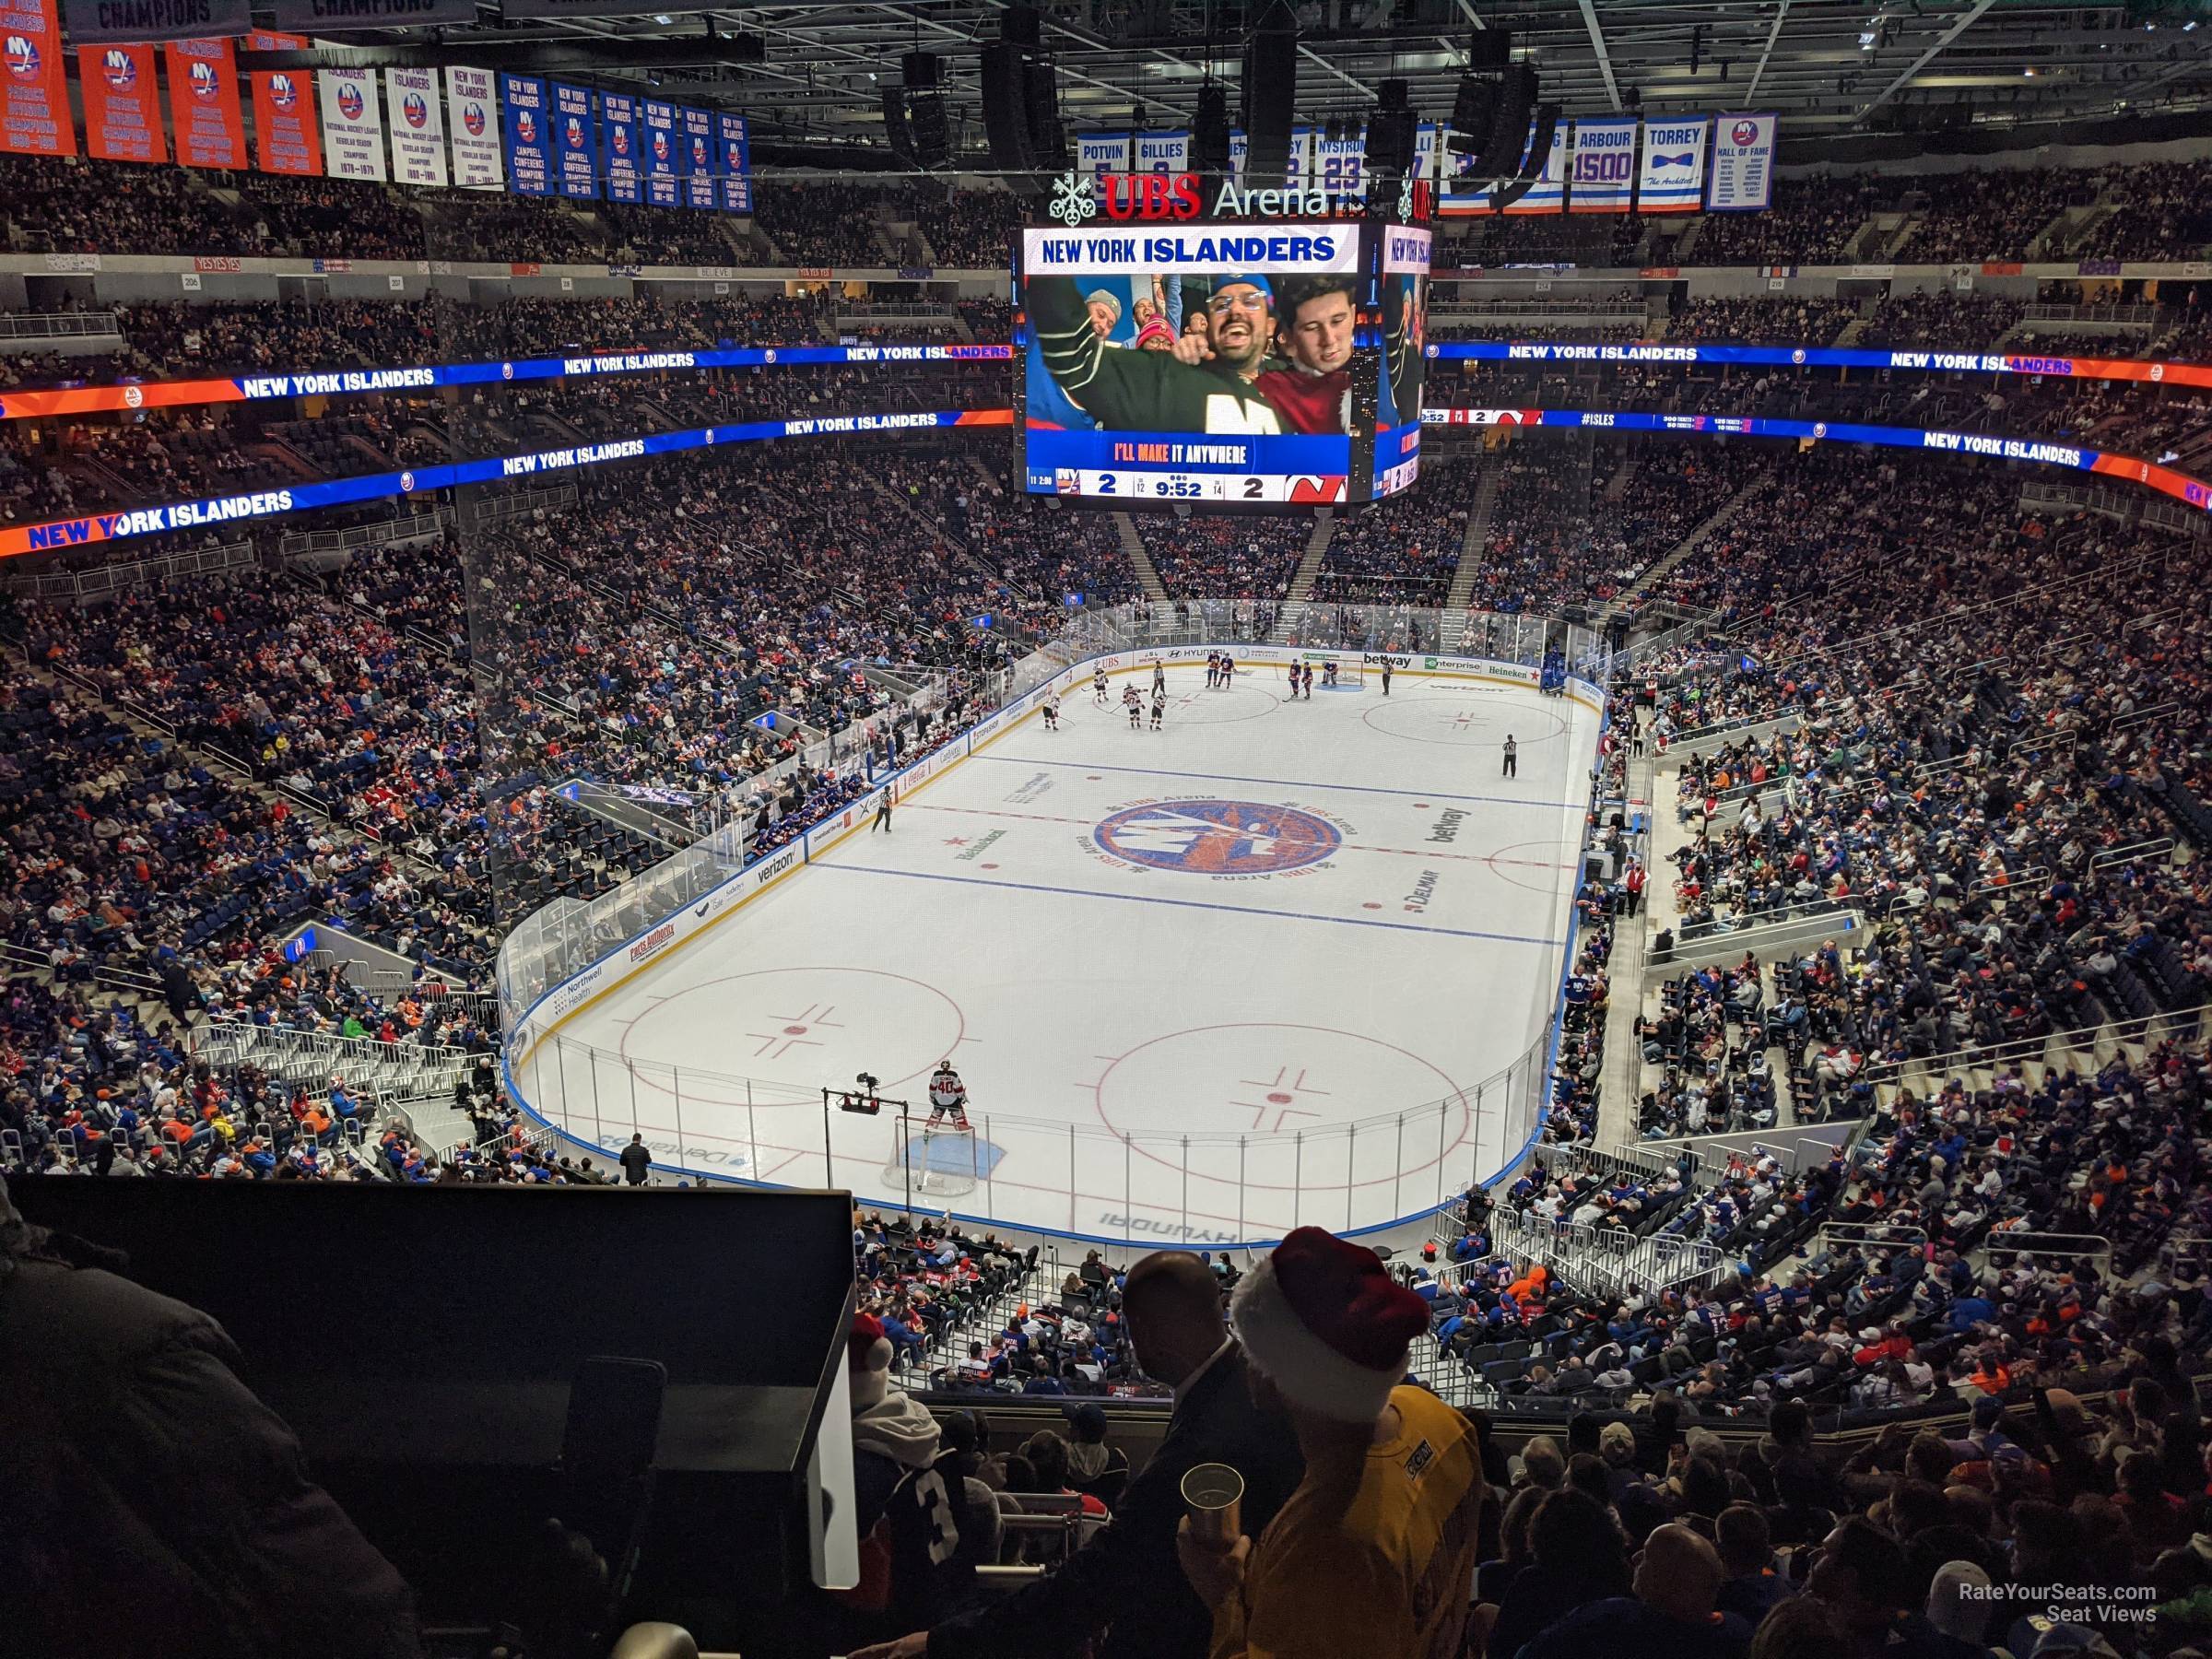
1217,838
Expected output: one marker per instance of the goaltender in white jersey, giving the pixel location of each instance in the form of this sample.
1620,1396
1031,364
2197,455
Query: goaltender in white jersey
947,1097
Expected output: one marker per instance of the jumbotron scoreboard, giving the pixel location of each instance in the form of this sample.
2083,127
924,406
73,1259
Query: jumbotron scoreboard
1247,364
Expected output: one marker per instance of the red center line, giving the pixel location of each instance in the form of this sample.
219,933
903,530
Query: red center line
1047,818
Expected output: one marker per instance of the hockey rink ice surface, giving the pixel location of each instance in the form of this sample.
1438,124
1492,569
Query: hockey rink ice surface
1204,983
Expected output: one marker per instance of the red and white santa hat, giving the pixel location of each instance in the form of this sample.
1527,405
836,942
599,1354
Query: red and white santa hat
867,1361
1323,1320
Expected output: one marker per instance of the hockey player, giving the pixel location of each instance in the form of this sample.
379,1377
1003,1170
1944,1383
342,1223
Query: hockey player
1213,669
1160,705
1306,678
1229,670
1133,701
1051,714
1328,674
947,1097
1098,688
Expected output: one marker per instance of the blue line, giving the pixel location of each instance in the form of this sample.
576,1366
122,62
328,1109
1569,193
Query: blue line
1148,771
1235,909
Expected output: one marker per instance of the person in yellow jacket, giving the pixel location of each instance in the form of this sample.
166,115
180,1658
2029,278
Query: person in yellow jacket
1373,1553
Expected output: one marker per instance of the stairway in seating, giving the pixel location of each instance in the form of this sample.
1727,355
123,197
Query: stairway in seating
1317,547
1454,630
1133,549
1683,549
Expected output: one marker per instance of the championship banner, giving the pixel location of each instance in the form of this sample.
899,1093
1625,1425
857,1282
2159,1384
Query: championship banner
34,93
1601,174
472,118
353,132
1098,154
1340,165
618,147
136,23
123,111
661,167
575,141
1325,247
1672,179
1743,163
525,115
418,127
339,16
533,10
287,138
698,170
1163,153
734,154
203,104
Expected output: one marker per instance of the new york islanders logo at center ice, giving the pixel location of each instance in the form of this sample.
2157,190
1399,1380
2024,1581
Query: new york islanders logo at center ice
1217,838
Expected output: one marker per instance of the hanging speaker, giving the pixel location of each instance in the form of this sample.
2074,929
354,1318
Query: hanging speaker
895,127
1269,93
1389,140
1500,155
1539,157
926,109
1209,132
1007,116
1472,108
1041,101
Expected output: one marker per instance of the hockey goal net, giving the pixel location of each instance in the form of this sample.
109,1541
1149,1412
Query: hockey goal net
932,1160
1350,671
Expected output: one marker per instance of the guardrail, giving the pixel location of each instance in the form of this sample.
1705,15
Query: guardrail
2173,1025
110,579
59,325
383,533
1610,1261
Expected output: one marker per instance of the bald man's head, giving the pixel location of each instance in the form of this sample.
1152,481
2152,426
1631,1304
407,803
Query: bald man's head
1173,1305
1679,1576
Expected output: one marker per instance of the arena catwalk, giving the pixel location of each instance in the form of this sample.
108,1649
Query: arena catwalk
1261,966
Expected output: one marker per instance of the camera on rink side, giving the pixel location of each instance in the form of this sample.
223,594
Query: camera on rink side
867,1104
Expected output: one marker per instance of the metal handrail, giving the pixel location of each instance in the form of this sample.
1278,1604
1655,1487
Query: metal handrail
2028,1048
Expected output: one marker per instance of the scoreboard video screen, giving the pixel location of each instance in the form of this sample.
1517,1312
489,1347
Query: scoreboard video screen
1212,363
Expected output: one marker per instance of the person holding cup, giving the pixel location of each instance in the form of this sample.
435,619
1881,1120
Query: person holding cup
1122,1589
1374,1552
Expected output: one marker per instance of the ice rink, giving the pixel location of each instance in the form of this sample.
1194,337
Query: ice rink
1203,984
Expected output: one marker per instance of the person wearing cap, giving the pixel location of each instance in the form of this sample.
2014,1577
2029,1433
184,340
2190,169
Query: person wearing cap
1104,309
1154,391
1374,1553
1122,1588
1094,1468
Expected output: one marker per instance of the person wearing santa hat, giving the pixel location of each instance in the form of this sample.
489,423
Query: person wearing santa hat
1374,1552
920,1528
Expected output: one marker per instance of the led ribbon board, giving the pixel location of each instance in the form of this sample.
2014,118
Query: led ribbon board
335,382
2166,480
61,534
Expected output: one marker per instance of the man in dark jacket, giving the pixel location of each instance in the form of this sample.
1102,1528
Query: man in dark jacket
1126,1581
637,1162
155,1507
